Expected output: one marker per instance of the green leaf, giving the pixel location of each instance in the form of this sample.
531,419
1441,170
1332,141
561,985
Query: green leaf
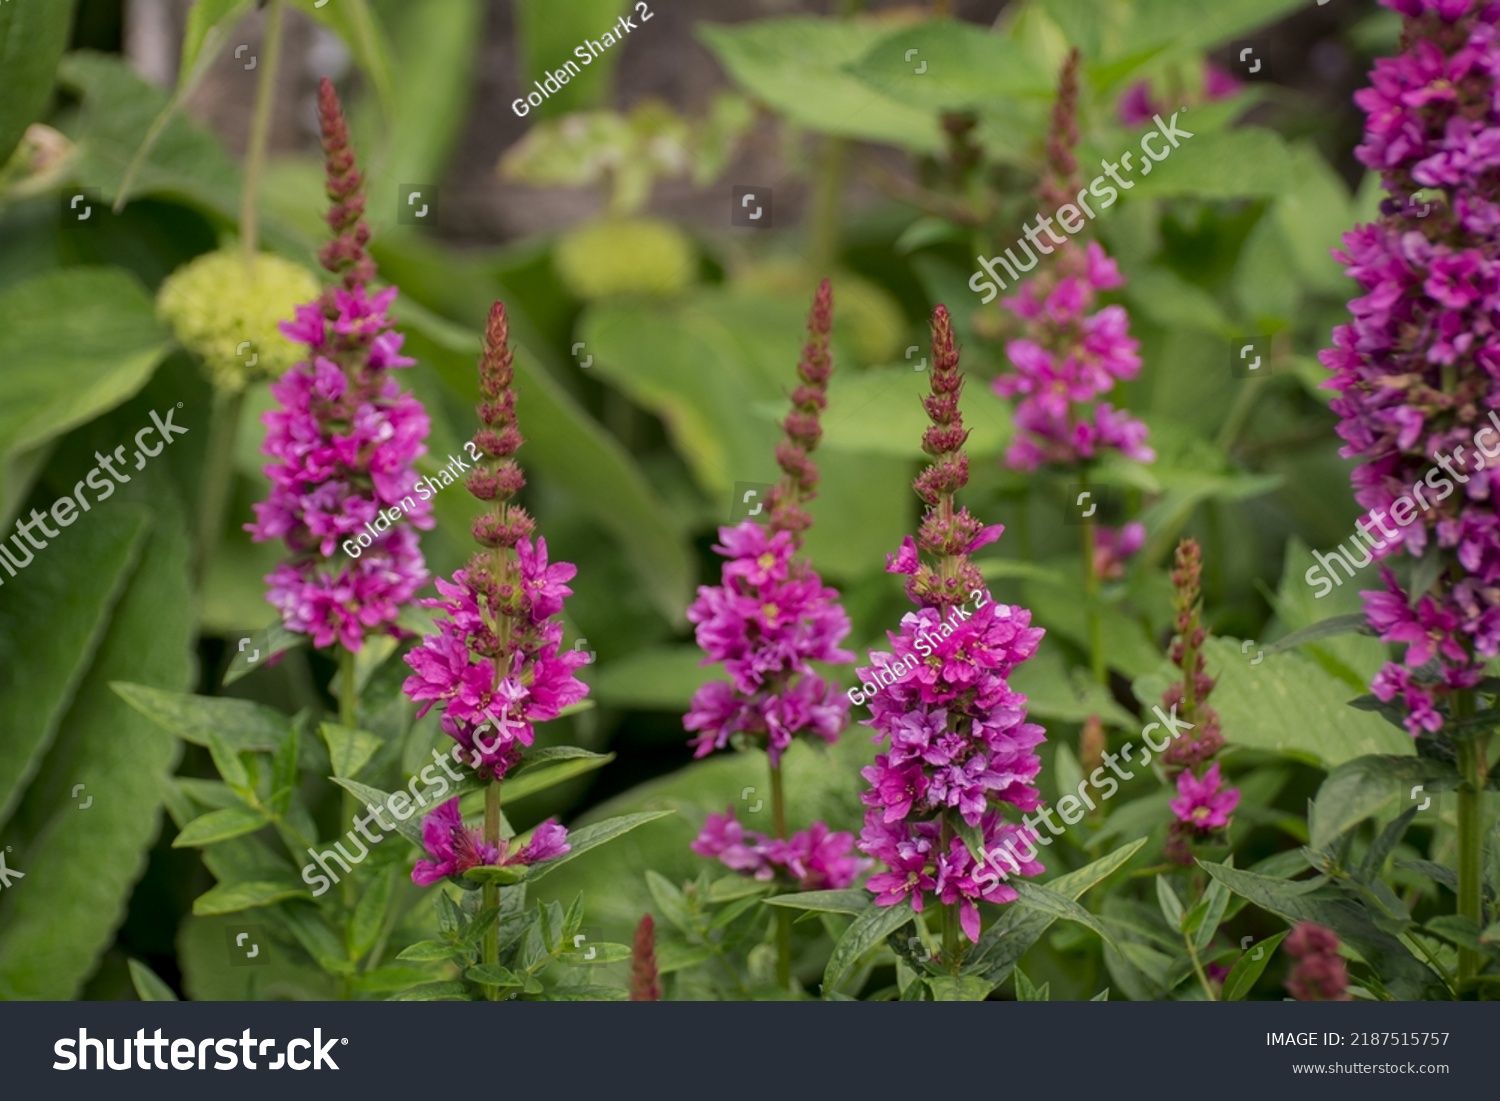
1215,902
148,985
430,951
866,932
592,836
1171,905
545,768
270,642
1352,623
670,901
1046,901
230,898
80,865
219,825
795,65
891,419
852,901
76,604
961,988
1371,787
1001,946
32,39
492,974
1456,929
549,32
409,827
75,344
370,914
1247,969
241,725
1251,162
965,66
1405,975
349,750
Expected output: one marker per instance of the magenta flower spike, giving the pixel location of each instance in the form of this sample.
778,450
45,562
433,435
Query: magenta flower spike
496,662
1416,369
956,745
343,441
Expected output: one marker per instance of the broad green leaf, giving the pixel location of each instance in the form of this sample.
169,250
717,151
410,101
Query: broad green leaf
148,985
955,65
80,865
74,344
1231,164
1054,691
1171,905
492,974
242,725
349,750
207,16
435,992
852,901
1002,945
428,951
76,604
1328,626
1288,705
229,898
1248,968
409,827
868,930
583,839
1372,787
371,912
32,39
882,414
219,825
795,65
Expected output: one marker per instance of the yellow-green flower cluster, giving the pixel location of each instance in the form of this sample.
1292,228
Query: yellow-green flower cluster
226,312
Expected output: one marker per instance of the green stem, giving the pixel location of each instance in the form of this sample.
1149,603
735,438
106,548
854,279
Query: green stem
1208,988
260,129
490,950
1091,595
783,915
1239,413
348,718
1473,760
828,204
952,952
217,483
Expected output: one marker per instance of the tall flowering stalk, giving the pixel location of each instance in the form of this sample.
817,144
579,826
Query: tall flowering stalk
1417,372
1067,356
496,662
956,743
1203,804
343,442
767,621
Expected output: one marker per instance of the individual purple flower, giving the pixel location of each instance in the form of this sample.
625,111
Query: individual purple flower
343,440
496,661
956,743
1114,547
1416,370
771,616
814,859
452,848
1204,804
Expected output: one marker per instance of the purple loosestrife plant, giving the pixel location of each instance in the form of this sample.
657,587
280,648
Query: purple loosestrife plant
1203,804
767,621
956,745
1417,375
1067,355
343,440
496,662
